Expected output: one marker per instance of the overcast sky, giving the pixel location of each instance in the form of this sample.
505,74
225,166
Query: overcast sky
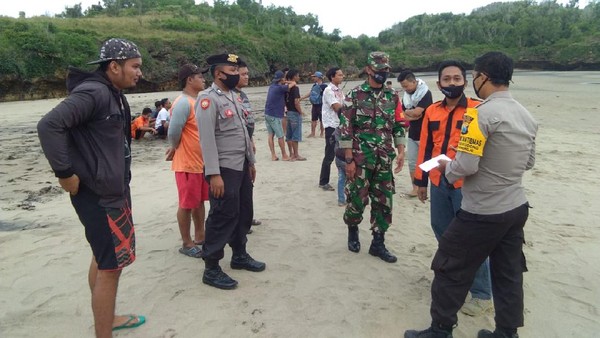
351,17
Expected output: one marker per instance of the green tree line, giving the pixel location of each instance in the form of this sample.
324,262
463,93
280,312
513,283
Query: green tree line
35,52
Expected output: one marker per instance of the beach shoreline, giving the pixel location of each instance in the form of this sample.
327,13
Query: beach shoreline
313,285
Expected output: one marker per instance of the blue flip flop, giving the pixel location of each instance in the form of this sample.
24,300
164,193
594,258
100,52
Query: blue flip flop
129,323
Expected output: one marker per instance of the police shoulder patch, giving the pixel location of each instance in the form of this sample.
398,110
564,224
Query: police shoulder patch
205,103
472,139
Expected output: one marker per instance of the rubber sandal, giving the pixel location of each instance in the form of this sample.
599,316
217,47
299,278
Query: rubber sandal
129,323
194,252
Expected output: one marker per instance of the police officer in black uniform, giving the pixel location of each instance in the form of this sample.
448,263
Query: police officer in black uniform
229,169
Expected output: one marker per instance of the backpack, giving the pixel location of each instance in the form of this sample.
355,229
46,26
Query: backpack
316,94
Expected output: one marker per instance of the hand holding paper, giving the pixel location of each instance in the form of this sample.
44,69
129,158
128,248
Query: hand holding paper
433,163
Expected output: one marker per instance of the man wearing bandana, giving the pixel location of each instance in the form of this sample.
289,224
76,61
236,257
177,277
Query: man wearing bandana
229,169
368,134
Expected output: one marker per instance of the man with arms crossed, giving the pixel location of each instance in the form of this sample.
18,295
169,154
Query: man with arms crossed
416,98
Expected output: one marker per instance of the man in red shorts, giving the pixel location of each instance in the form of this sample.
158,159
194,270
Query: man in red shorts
186,154
86,139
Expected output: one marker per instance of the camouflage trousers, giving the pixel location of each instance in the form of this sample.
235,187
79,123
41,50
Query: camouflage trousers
376,184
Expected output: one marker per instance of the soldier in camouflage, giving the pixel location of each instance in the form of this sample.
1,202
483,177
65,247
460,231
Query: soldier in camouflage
368,129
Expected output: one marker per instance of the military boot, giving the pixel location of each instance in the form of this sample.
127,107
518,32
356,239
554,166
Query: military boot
434,331
353,243
246,262
498,333
378,248
214,276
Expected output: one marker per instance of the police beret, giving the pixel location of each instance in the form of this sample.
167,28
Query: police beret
220,59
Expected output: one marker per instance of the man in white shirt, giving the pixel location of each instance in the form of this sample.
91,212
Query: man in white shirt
162,119
332,106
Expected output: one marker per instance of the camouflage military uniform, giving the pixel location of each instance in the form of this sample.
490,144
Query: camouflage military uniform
368,126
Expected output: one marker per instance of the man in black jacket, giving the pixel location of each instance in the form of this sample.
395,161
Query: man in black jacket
86,139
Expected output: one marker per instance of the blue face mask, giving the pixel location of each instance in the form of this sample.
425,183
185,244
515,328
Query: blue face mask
380,77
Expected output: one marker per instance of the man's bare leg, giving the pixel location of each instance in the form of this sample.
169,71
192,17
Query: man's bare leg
198,215
284,155
272,147
290,149
313,128
413,193
103,284
184,219
322,129
296,153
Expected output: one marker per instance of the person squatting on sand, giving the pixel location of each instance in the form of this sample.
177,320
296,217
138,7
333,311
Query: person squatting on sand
367,128
496,147
229,169
91,128
141,125
188,164
440,134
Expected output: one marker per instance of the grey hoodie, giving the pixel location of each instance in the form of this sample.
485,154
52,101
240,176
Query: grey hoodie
87,134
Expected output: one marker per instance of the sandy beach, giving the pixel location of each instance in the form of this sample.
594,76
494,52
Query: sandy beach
313,286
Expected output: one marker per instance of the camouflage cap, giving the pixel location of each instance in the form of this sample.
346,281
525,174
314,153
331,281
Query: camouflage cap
117,49
378,60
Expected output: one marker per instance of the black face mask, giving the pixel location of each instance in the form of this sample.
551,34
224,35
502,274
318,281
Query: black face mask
230,81
478,89
380,77
453,92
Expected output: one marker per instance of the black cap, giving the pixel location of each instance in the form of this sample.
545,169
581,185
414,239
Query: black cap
117,49
223,59
188,70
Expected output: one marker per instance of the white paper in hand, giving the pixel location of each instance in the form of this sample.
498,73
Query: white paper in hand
434,162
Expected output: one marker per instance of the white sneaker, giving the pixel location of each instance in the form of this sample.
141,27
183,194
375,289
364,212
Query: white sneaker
476,307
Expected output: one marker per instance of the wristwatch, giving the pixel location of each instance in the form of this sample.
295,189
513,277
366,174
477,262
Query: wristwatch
349,160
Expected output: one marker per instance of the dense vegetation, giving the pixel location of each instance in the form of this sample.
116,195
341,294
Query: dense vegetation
35,52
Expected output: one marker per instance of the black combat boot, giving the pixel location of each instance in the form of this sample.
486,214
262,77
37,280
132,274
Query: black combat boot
434,331
214,276
498,333
353,243
378,248
246,262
